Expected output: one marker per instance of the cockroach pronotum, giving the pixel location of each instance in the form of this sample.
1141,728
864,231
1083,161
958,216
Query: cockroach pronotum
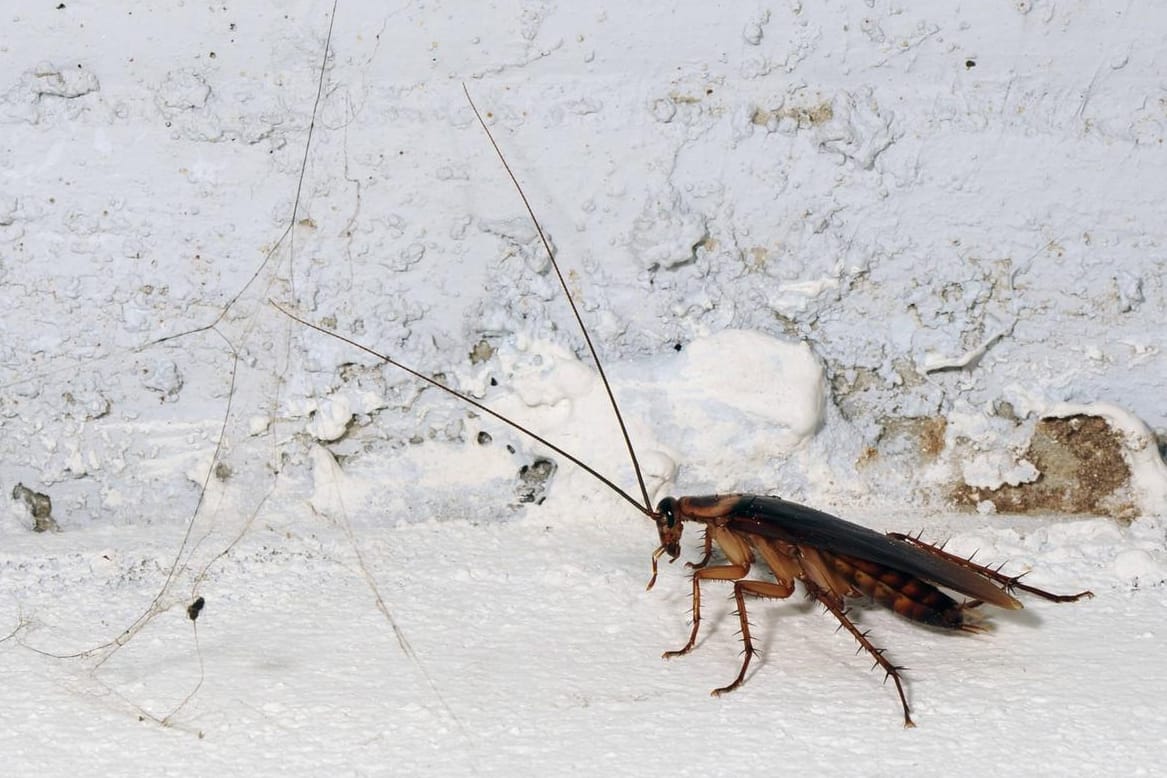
833,558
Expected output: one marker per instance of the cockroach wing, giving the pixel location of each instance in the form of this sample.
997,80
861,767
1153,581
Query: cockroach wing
773,517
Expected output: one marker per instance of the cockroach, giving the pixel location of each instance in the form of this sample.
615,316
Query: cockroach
834,559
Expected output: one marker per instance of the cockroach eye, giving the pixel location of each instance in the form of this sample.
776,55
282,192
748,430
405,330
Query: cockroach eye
666,508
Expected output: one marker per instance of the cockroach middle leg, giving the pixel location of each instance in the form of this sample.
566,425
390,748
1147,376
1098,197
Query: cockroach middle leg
719,573
835,605
764,589
1008,582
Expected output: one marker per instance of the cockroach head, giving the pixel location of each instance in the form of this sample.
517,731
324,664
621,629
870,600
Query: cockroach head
669,525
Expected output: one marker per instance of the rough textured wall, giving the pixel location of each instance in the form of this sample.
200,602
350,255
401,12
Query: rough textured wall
957,210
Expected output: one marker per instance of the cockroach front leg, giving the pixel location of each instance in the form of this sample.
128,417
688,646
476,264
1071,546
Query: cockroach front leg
1007,582
706,556
776,591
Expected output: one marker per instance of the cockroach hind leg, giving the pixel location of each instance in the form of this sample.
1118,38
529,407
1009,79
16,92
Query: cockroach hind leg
1007,582
1014,582
891,671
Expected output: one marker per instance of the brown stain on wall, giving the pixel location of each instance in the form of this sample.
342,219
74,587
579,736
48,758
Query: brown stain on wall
1081,470
924,435
804,115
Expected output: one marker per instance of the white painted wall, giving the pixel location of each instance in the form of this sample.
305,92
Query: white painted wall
955,208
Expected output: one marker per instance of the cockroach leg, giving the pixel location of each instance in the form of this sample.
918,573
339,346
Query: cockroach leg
720,573
708,553
1009,583
764,589
1015,583
835,606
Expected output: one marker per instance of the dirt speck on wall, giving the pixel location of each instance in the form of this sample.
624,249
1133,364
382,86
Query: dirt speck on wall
916,439
1081,470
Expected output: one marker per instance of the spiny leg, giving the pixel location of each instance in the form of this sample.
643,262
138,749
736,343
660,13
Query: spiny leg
720,573
835,606
778,591
1008,582
708,552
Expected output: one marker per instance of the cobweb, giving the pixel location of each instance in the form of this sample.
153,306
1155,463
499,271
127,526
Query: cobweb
176,399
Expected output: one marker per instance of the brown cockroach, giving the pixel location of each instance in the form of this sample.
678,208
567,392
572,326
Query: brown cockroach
834,559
